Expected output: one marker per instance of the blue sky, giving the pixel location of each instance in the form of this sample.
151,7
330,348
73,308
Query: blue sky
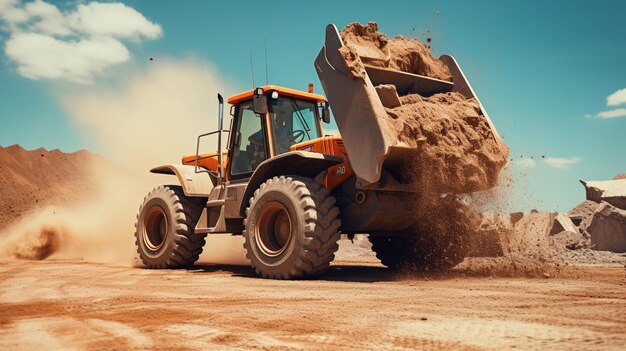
543,69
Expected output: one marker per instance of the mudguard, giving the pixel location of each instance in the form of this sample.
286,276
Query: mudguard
298,163
194,184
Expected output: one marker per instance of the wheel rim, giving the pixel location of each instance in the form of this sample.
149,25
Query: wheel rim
155,228
274,229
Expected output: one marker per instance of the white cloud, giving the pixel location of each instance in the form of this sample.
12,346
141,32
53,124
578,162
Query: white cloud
113,19
42,56
12,14
46,18
526,163
617,98
561,162
616,113
46,43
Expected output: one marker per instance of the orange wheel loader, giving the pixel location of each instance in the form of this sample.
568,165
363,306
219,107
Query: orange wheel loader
289,189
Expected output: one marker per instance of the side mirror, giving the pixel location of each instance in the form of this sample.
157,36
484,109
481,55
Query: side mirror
259,100
325,112
326,115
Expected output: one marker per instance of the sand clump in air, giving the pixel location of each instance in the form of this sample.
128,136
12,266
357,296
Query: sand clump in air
404,54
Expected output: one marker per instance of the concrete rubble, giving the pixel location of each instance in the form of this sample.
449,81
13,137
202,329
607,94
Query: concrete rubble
608,228
611,191
503,234
562,223
388,95
603,216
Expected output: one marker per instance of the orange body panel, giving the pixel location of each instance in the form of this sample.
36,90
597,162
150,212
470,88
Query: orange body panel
207,160
281,90
330,145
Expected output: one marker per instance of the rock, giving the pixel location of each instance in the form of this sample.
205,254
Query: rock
494,230
562,223
534,232
582,214
388,95
608,229
571,240
611,191
620,176
516,216
530,233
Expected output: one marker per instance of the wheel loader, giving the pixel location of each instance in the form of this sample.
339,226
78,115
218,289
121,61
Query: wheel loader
291,190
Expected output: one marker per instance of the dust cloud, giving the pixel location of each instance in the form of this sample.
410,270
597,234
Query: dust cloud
150,118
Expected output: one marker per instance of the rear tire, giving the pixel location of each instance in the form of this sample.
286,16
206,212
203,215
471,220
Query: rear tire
438,240
164,232
420,252
291,228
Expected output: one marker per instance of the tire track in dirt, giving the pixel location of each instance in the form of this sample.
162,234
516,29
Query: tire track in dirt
68,305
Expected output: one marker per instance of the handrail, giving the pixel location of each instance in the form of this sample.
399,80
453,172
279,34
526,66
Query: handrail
199,169
219,173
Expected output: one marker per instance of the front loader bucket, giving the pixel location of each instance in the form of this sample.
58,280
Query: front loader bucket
358,110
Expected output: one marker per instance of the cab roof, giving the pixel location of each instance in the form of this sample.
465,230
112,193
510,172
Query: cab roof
281,90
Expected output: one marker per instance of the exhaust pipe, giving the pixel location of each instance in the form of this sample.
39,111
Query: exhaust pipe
220,126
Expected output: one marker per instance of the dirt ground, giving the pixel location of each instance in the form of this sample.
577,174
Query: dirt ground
355,306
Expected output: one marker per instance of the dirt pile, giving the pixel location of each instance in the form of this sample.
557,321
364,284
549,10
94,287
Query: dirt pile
534,244
449,132
63,205
39,177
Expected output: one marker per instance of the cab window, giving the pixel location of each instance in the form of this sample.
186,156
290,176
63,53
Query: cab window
293,121
250,148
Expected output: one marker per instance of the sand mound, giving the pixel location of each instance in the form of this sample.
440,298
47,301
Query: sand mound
409,55
38,177
454,141
66,206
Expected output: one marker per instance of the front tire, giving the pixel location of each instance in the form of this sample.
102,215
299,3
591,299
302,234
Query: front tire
291,228
164,232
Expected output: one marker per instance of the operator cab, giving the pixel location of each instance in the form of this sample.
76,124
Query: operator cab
268,121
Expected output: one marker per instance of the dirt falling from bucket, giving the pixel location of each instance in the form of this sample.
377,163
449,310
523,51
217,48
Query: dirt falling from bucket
457,153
